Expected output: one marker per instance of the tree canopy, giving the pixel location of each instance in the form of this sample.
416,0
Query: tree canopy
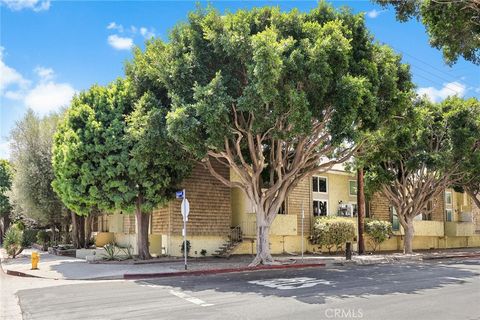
111,152
277,96
5,186
417,156
453,26
31,153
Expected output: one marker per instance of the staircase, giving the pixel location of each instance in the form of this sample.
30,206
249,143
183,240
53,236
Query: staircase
234,239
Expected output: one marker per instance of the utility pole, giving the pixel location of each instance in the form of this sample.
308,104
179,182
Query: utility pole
360,210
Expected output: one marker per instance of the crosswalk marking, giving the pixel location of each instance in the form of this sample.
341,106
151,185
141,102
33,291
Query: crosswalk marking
191,299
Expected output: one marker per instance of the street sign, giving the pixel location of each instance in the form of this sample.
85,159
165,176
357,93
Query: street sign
185,209
180,194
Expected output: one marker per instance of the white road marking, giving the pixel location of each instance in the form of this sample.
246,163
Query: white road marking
290,283
191,299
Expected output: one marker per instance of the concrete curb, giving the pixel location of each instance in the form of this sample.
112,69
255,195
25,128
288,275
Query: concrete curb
471,255
219,271
21,274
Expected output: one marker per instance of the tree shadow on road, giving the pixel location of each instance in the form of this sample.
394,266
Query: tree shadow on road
314,286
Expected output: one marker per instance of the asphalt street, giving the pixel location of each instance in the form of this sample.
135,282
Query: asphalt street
437,290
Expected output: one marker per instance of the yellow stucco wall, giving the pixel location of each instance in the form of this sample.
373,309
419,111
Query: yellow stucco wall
197,243
102,238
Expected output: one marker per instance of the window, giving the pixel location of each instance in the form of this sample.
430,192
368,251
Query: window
448,215
394,219
354,209
352,187
319,184
320,208
448,198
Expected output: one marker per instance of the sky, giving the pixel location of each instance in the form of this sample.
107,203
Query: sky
50,50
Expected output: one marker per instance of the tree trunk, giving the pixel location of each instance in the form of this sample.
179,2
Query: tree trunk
264,255
409,232
81,231
5,226
360,211
75,239
88,230
143,220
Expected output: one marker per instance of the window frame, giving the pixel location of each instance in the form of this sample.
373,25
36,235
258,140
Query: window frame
350,189
446,214
318,185
451,198
320,200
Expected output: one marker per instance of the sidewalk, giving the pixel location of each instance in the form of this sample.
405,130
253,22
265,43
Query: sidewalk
61,267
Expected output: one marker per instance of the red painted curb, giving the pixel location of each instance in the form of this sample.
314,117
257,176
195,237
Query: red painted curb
474,255
217,271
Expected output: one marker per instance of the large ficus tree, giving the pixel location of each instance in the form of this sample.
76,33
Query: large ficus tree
277,96
416,157
452,25
464,118
112,153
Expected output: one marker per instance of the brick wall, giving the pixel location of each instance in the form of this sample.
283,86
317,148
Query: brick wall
301,194
210,208
380,208
129,223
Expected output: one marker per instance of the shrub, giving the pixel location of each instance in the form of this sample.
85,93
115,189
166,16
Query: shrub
378,232
332,232
182,247
42,237
203,252
128,251
111,252
12,242
29,237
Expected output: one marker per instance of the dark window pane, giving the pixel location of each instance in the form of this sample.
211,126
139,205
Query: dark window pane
315,208
322,185
322,206
315,184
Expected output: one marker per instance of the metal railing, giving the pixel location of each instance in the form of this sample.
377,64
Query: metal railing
236,234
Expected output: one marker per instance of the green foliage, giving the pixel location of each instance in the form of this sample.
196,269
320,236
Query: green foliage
128,251
29,237
282,71
378,230
12,242
6,174
43,237
111,147
32,193
332,232
453,26
111,252
182,247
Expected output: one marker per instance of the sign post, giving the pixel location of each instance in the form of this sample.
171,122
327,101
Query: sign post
303,218
185,210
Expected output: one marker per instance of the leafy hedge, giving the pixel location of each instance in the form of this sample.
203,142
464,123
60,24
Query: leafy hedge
332,232
378,232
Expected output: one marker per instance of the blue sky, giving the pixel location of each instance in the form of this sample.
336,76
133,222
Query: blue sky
52,49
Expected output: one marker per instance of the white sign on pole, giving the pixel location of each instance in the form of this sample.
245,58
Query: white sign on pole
185,209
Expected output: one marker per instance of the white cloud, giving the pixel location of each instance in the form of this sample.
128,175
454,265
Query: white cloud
374,13
43,96
448,89
44,73
147,34
35,5
49,96
10,77
120,43
115,26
